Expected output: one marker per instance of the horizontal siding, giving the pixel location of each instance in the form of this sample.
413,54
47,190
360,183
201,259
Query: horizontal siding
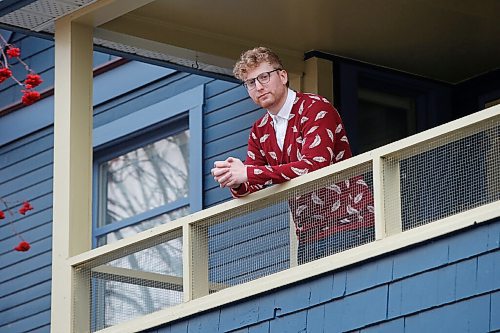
228,116
32,292
26,174
27,165
447,285
22,147
27,324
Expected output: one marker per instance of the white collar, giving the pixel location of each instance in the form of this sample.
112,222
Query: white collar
286,109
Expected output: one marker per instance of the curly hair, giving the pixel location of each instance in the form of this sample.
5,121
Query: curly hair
253,58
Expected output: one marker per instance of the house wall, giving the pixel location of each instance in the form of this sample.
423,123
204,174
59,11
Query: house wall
451,284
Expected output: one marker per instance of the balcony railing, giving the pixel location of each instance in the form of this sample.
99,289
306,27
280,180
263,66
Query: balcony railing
424,186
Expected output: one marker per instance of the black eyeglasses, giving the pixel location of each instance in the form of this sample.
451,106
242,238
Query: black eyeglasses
263,78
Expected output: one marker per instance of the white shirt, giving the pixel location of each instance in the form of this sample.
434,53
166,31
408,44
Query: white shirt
280,120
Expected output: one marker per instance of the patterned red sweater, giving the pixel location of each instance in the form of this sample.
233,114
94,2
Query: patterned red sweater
315,138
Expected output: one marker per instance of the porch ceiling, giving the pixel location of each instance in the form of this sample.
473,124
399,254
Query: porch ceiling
446,40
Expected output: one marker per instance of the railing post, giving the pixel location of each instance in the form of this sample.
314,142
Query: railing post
195,261
293,243
387,197
492,178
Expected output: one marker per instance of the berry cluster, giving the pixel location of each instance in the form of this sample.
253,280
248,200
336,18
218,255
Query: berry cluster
31,81
23,245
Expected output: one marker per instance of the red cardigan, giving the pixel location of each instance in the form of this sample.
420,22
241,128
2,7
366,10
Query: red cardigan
315,138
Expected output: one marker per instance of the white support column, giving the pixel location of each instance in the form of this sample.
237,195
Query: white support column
295,81
318,77
72,174
492,178
378,197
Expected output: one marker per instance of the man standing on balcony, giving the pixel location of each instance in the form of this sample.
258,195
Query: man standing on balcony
298,134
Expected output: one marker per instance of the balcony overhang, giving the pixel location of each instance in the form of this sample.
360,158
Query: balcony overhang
447,41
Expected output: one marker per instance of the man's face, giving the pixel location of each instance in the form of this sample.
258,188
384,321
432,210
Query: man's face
270,95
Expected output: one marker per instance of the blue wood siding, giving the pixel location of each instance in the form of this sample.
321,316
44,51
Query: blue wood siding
451,284
25,278
228,116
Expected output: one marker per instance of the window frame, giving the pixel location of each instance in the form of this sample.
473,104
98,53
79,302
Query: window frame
168,117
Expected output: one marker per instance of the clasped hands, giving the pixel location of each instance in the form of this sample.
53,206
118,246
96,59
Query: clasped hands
230,173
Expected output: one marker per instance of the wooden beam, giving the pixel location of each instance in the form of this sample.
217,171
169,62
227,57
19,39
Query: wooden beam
102,11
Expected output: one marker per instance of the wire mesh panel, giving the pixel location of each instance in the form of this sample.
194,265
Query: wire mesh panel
449,175
334,214
248,244
140,282
300,225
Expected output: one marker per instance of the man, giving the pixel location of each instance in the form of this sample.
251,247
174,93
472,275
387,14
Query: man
298,134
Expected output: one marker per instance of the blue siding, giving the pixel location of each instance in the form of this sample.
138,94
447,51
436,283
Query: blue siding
228,116
472,315
454,286
494,312
26,174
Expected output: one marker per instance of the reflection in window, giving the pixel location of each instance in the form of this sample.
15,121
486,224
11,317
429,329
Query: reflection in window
145,178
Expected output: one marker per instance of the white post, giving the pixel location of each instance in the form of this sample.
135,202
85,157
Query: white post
72,174
387,197
195,261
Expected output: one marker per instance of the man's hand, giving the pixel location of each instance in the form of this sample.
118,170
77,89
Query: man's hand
230,173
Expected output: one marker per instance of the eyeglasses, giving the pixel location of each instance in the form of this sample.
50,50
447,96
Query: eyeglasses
263,78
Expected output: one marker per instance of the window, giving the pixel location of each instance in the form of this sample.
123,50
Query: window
143,186
147,167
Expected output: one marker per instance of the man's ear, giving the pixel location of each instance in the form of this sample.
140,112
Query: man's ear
283,76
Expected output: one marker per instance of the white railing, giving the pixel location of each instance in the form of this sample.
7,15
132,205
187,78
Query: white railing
424,186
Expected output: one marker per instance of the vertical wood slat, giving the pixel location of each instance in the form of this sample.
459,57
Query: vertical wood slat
294,244
392,197
195,261
386,192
